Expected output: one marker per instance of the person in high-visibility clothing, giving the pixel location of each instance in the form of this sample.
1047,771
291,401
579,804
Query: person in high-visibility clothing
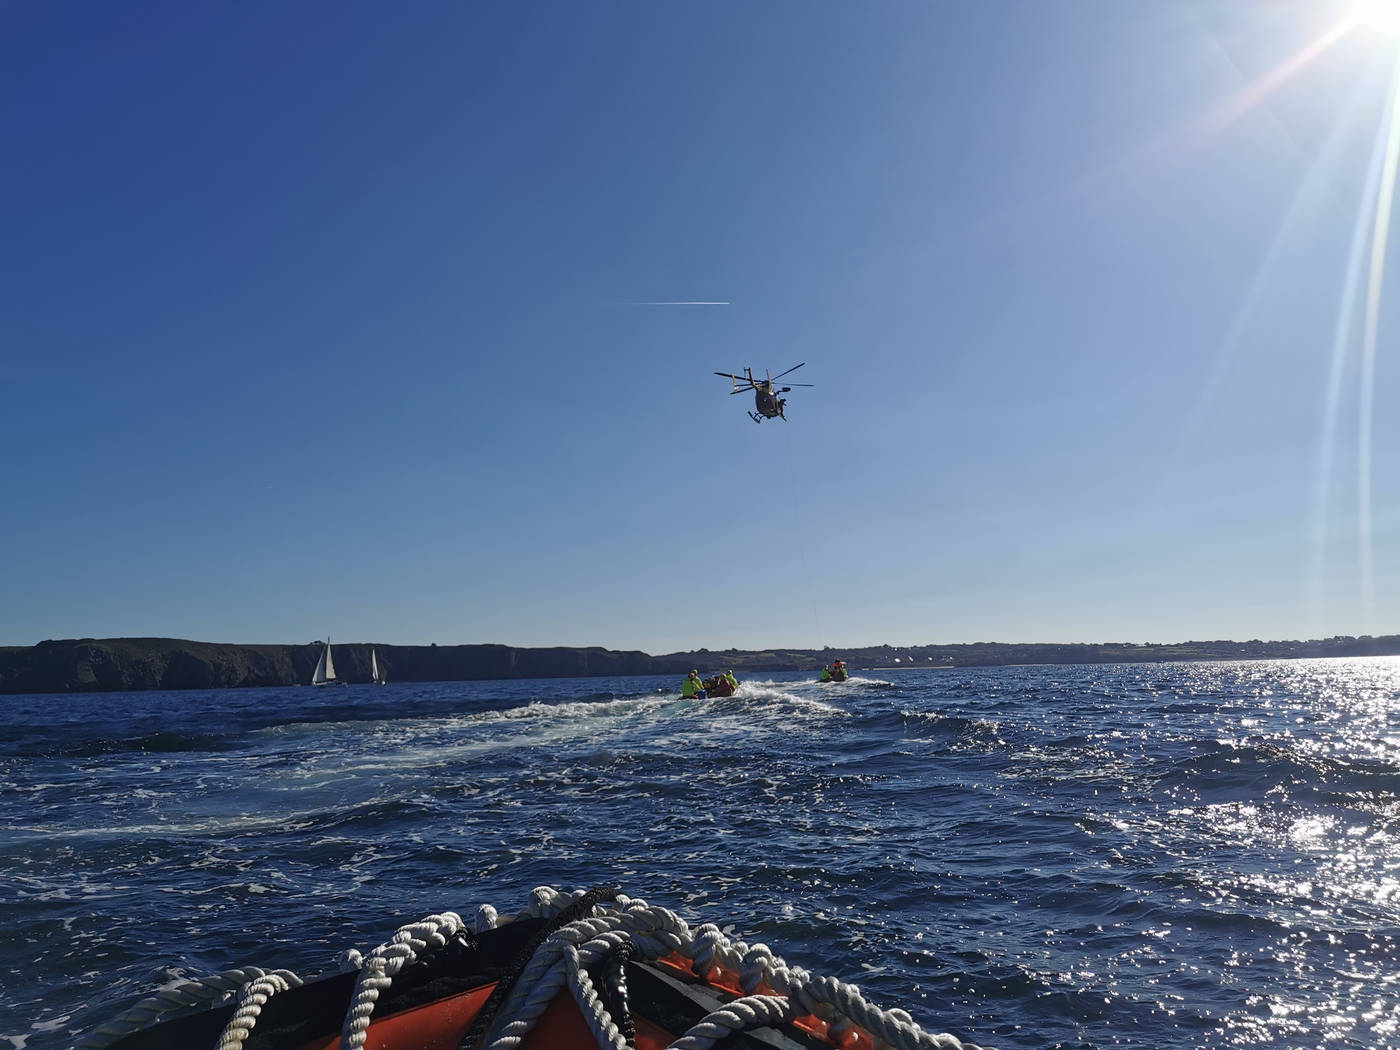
729,677
692,688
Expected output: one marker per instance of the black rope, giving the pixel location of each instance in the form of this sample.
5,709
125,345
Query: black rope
431,962
579,909
613,978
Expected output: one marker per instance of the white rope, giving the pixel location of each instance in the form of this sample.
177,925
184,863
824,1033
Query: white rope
752,1011
547,972
565,958
600,1022
251,999
896,1028
485,919
199,992
378,969
656,931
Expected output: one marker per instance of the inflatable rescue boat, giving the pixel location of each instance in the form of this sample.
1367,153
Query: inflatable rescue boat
718,685
572,971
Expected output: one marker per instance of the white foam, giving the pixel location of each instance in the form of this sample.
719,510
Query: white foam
770,693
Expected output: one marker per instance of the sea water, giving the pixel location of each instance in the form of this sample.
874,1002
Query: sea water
1156,855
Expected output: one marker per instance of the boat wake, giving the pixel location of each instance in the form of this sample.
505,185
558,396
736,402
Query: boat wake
759,695
865,683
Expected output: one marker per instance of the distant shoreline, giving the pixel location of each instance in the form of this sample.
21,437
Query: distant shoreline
134,664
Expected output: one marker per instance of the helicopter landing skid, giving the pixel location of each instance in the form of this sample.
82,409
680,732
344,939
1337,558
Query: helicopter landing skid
755,417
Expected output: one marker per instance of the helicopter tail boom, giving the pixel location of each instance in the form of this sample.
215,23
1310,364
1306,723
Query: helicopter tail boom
741,386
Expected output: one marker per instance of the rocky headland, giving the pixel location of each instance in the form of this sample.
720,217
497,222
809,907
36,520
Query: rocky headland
119,664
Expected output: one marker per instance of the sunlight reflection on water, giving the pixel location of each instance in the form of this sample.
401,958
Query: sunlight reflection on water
1176,856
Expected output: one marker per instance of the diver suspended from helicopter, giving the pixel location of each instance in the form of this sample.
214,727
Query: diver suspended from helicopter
765,393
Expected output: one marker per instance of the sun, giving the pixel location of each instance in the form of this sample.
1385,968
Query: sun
1378,16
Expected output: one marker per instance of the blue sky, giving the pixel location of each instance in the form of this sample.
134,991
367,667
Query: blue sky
321,319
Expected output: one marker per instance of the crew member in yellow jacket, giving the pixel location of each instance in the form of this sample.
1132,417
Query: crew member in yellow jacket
693,688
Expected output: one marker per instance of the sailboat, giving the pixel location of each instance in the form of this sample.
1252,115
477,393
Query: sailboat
375,675
325,668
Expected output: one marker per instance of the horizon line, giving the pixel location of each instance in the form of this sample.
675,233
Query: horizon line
735,649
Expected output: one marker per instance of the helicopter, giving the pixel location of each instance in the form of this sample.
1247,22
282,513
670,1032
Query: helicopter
765,396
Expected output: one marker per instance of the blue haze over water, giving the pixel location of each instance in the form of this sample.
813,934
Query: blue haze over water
1170,855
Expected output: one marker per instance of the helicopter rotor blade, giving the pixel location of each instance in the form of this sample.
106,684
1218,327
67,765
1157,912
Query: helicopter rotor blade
794,368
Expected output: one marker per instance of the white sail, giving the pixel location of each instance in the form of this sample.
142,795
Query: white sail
374,675
325,667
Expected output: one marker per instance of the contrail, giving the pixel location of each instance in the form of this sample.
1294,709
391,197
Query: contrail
684,302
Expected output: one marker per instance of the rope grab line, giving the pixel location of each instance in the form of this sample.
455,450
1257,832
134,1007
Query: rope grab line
770,992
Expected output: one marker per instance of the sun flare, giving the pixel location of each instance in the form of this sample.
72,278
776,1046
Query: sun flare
1378,16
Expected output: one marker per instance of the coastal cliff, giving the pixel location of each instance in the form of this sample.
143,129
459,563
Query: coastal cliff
118,664
115,664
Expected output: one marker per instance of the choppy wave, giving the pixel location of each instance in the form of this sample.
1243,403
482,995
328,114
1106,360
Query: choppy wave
1197,855
152,743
